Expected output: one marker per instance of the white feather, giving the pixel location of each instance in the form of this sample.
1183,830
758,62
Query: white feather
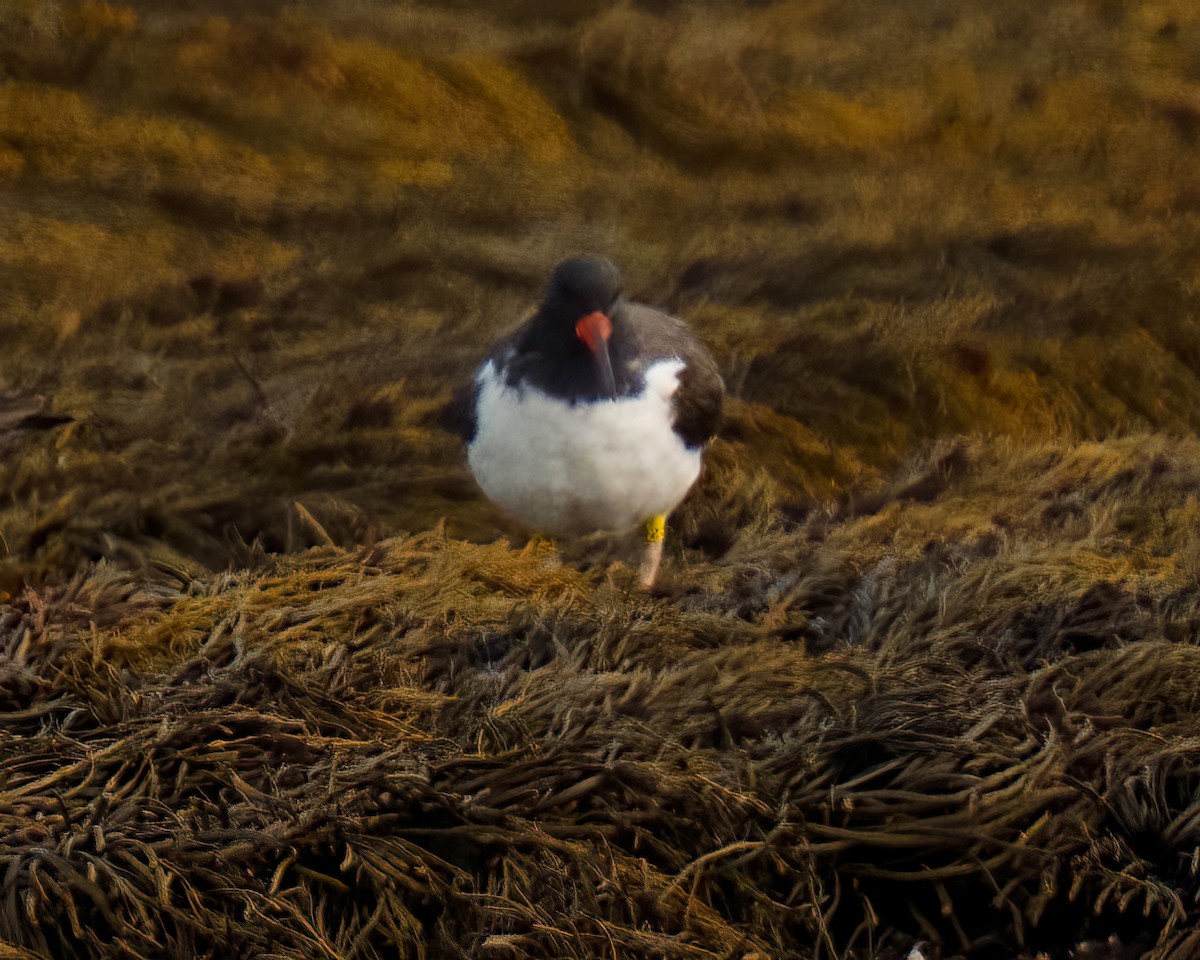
568,469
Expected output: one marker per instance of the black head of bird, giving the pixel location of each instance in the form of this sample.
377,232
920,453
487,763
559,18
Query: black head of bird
578,310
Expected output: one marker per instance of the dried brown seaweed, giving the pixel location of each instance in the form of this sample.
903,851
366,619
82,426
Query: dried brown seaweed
444,749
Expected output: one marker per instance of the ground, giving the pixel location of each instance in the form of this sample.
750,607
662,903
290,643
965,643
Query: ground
922,667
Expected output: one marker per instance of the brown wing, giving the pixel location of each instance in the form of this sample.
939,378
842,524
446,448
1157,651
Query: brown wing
699,399
655,335
458,416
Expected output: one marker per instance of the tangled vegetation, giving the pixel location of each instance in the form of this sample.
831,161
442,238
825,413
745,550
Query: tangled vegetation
922,670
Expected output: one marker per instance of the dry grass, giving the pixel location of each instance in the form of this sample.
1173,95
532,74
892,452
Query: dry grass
843,735
921,667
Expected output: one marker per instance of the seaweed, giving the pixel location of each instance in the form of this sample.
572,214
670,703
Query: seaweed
919,678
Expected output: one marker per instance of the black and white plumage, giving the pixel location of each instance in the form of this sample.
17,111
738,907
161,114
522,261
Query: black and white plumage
593,414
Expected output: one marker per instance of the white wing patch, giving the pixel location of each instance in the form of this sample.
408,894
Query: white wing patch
567,469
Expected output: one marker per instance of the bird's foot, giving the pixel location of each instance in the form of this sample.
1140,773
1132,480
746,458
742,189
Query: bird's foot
656,531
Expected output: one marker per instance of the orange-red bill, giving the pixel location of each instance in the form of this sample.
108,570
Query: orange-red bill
594,330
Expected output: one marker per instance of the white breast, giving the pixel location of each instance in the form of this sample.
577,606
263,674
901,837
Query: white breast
568,469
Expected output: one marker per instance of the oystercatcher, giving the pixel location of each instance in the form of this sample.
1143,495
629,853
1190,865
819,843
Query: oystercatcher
592,416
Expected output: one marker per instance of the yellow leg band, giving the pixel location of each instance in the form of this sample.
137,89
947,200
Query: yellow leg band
656,529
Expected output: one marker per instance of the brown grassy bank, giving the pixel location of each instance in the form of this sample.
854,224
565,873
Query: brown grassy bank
969,720
922,667
249,251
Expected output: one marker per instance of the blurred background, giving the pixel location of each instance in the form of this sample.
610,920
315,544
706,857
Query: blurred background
925,660
248,249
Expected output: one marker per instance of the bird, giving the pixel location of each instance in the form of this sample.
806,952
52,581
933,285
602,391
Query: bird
594,414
